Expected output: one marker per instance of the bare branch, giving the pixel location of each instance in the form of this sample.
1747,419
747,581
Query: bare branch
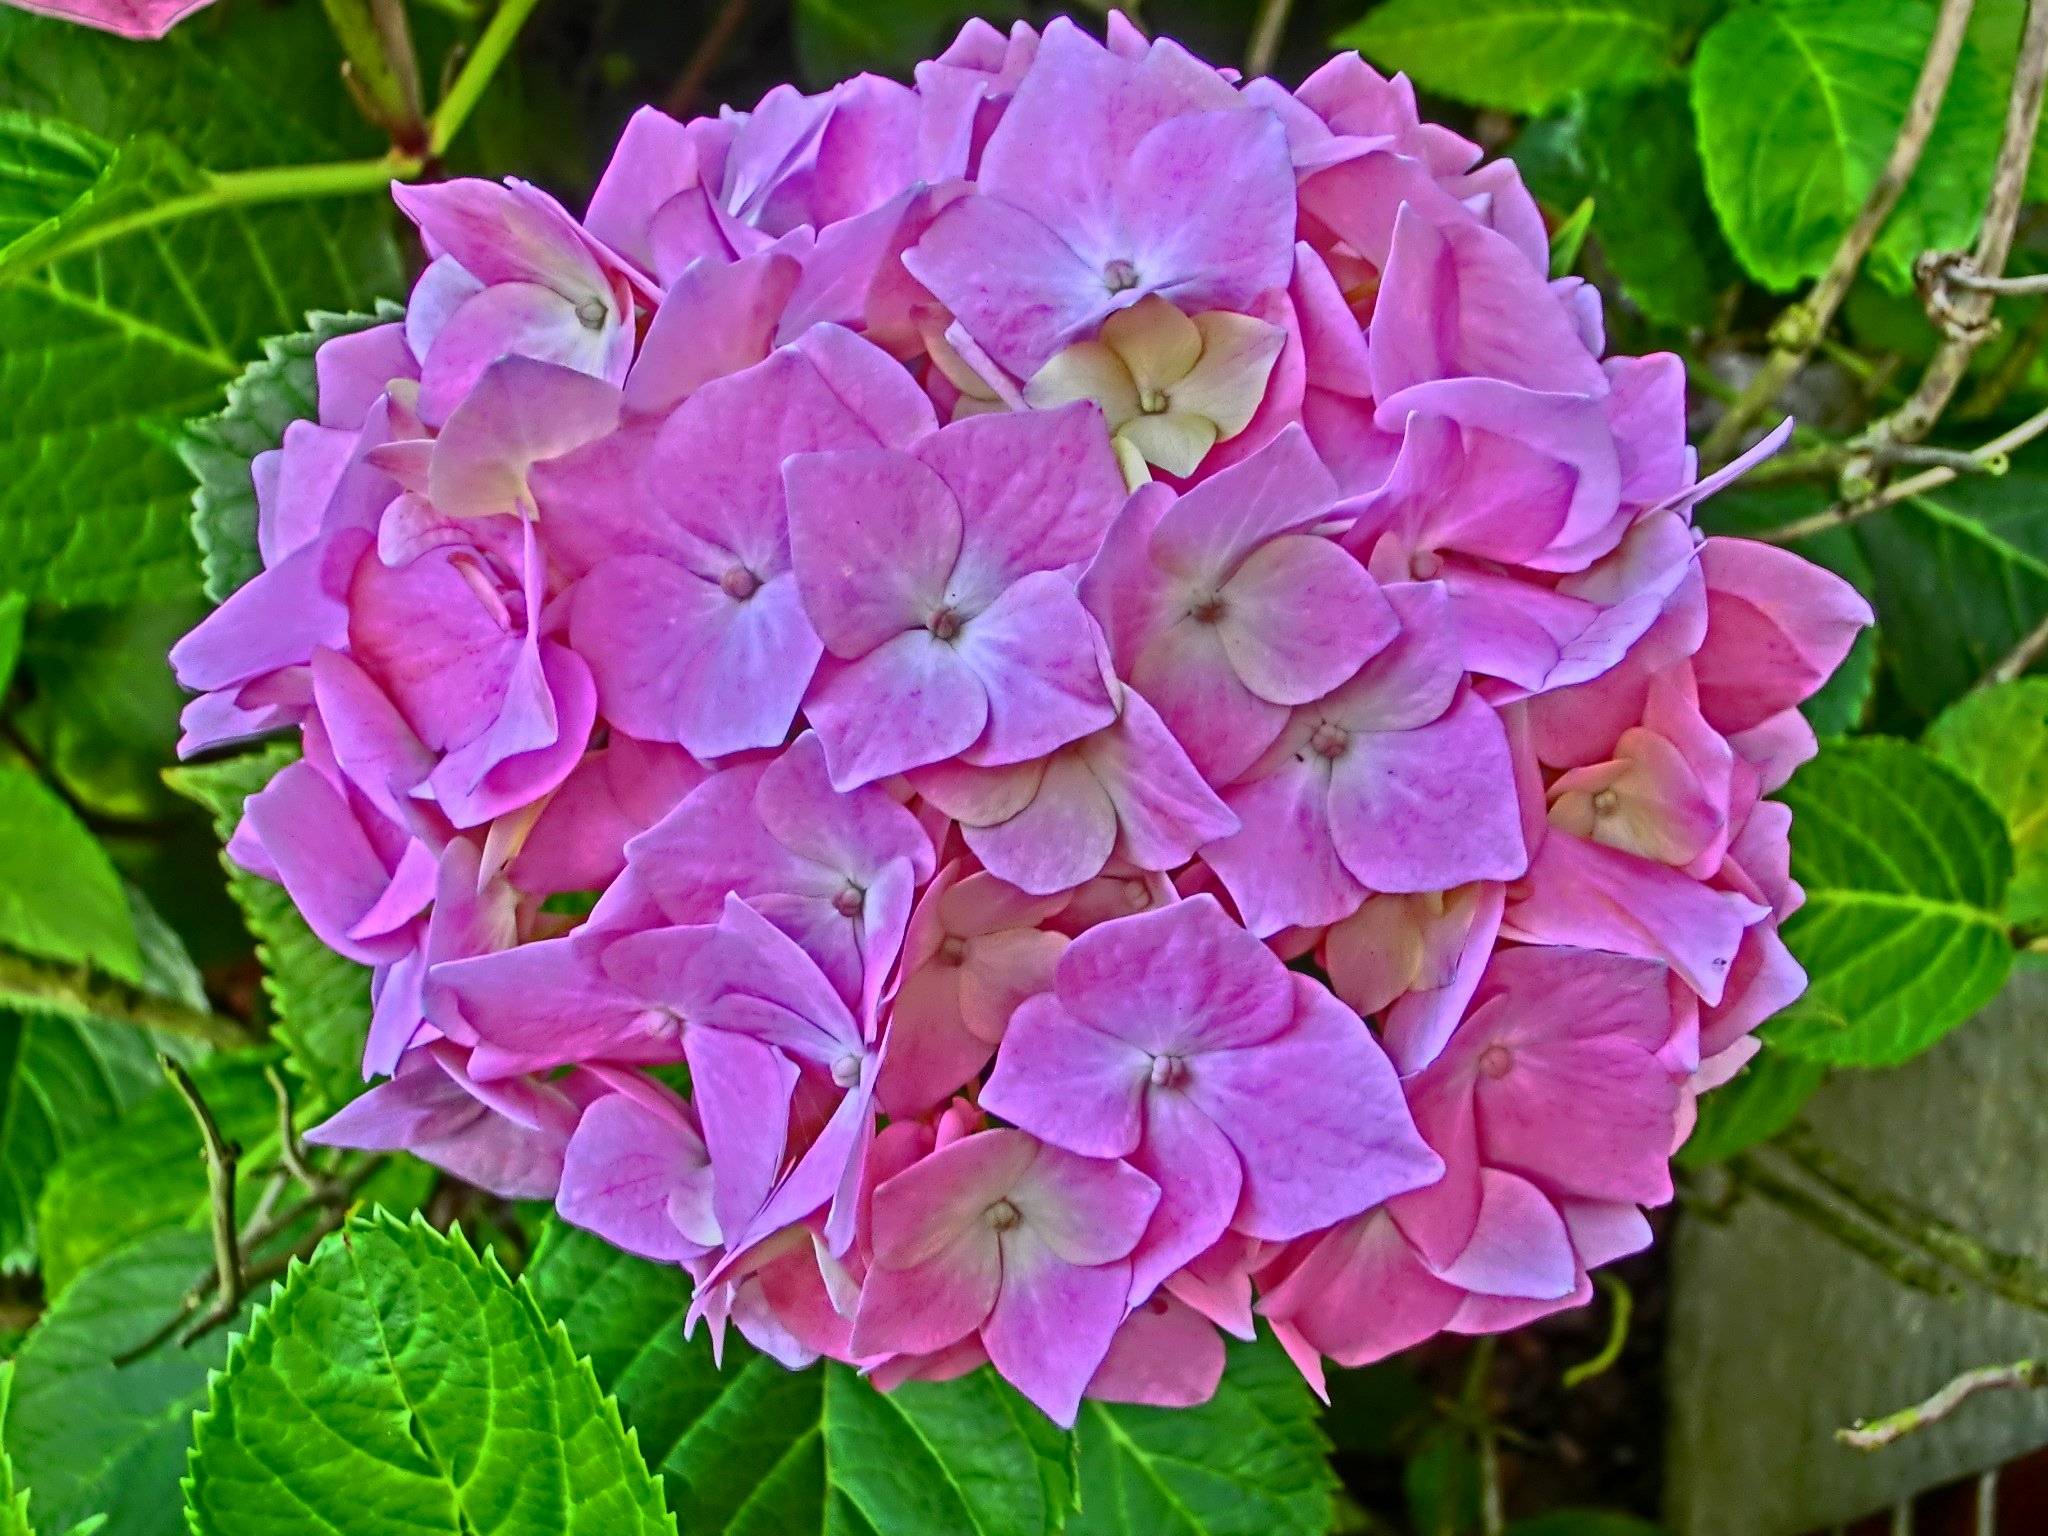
1267,33
1876,1434
79,991
1799,329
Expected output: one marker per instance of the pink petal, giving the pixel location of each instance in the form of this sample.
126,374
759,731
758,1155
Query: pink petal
911,701
874,535
1282,868
1052,1323
1036,653
1300,617
621,1168
1166,1355
1067,1082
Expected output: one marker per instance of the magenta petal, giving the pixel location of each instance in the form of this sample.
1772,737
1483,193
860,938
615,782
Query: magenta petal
924,1307
621,1168
1052,1323
1201,255
1520,1247
1200,1181
520,412
1318,1119
1068,1083
718,318
1362,1294
874,535
1019,288
1166,1355
1428,809
1177,980
911,701
742,1091
1281,867
1064,834
1300,616
1036,654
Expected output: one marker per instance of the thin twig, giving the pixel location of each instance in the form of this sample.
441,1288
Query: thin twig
1846,512
2005,377
1965,322
221,1157
682,96
1623,1302
1875,1434
1267,33
1477,1413
289,1152
78,991
2005,287
2015,662
1799,329
1910,1268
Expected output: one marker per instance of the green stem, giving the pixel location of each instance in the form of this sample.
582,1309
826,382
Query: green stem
241,189
77,991
2026,1375
381,70
1623,1301
468,88
1907,1265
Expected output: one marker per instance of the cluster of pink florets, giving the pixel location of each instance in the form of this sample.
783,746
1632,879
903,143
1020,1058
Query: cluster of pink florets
1150,738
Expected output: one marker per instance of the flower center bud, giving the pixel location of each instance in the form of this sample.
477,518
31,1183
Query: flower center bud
1496,1061
1207,608
944,624
1003,1215
593,313
1427,566
846,1071
1330,740
1168,1071
1136,896
739,583
1606,803
1151,401
1119,276
850,900
953,951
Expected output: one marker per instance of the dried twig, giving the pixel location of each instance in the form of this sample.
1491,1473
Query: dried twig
1903,1263
1878,1433
1966,321
1799,329
725,25
78,991
2016,661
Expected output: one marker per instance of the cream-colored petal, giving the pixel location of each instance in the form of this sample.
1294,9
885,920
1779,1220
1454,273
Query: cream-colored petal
959,373
1136,471
1176,441
1086,371
1157,342
1228,383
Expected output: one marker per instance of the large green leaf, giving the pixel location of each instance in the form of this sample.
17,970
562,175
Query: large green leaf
321,999
1523,55
109,349
59,896
1248,1463
1633,153
62,1082
1997,738
145,1171
14,1519
1959,579
91,1437
398,1382
268,397
1763,1098
1799,102
1905,867
754,1448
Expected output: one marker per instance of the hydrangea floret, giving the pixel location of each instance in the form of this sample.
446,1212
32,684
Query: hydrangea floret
1033,718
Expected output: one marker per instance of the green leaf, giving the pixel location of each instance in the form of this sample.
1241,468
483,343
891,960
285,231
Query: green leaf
1905,868
62,1082
1960,578
59,896
146,1171
14,1519
756,1448
1997,738
105,182
398,1382
13,609
110,349
1761,1100
1250,1462
1798,104
1568,237
1522,55
1838,708
90,1437
321,999
268,397
837,38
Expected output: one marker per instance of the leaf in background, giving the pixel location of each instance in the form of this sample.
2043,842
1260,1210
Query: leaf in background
13,609
1960,577
81,180
1569,237
1633,153
109,350
91,1437
1522,55
14,1519
102,712
1798,103
1905,867
757,1448
1760,1101
146,1171
268,397
322,1000
837,38
1250,1462
1585,1522
1997,738
1838,708
62,1082
59,897
398,1382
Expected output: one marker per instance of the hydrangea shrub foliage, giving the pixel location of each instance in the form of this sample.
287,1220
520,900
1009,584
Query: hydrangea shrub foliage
1146,741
